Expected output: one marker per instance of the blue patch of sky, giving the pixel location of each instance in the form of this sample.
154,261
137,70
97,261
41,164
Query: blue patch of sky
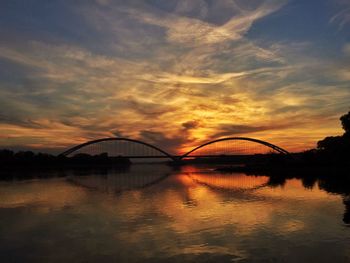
51,22
304,21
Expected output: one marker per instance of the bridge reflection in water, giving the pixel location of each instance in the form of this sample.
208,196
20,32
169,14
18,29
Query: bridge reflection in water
200,183
134,178
196,182
146,176
153,213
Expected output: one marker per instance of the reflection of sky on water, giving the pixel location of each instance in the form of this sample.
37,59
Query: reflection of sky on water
187,215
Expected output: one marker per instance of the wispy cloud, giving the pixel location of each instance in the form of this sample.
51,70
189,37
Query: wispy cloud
193,31
209,79
342,17
172,75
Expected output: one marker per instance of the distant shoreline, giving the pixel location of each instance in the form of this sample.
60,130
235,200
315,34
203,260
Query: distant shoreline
286,169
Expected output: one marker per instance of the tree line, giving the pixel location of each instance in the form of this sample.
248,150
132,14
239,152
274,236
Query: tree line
332,150
19,159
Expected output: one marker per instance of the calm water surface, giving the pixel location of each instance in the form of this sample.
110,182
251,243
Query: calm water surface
157,214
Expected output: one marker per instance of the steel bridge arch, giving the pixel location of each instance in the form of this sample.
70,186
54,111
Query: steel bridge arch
270,145
77,147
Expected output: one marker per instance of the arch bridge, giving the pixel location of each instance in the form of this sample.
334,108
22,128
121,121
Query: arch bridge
136,149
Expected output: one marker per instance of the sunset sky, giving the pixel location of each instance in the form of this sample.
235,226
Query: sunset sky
174,73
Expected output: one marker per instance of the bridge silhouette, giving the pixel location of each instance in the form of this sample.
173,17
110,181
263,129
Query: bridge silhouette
136,149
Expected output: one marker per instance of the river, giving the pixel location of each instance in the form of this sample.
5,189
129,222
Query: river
157,213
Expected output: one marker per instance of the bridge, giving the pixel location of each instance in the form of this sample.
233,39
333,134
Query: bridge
136,149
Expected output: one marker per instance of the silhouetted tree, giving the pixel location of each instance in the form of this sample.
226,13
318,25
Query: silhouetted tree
6,154
345,121
331,143
309,181
336,149
24,159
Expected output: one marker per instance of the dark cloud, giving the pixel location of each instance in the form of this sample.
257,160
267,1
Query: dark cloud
22,122
119,134
149,109
191,124
228,100
229,130
169,144
178,90
174,143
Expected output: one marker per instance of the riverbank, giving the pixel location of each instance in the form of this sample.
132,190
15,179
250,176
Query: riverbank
286,169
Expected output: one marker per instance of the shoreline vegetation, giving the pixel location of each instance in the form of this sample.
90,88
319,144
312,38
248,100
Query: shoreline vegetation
28,159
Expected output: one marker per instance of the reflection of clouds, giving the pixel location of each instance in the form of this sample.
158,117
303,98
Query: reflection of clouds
240,182
292,226
176,218
45,194
214,209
